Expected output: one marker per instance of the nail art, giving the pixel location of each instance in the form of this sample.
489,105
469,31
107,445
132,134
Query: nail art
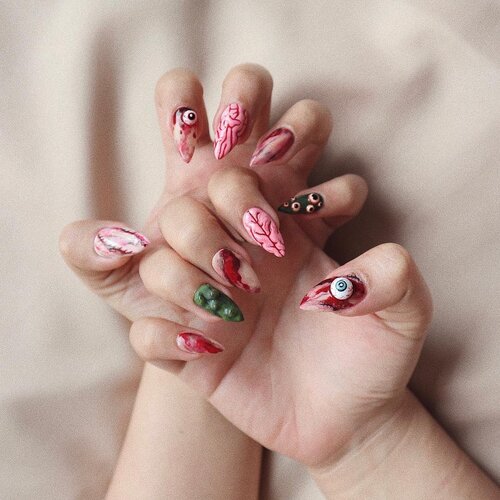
217,303
232,124
185,132
236,270
196,343
334,294
273,146
262,228
304,204
110,241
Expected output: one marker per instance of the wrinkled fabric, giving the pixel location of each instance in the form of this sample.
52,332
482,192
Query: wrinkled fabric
414,89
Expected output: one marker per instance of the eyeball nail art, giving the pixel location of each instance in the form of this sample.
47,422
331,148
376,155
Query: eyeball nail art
111,241
185,132
334,294
304,204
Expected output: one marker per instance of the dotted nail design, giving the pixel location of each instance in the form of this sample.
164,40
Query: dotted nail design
304,204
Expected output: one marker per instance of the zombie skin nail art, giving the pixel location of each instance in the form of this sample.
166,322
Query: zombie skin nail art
272,147
217,303
304,204
185,132
197,344
334,294
232,125
235,270
262,228
111,241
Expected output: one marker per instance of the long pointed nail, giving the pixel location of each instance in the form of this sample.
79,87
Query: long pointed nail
304,204
235,270
111,241
217,303
232,125
185,132
334,294
273,146
262,228
197,344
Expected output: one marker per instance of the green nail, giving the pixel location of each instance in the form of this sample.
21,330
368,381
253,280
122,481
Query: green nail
303,204
217,303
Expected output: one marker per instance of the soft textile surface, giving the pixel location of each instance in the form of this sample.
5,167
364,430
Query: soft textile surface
414,89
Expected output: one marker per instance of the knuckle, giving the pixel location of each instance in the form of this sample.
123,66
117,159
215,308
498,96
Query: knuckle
143,338
250,71
174,79
399,260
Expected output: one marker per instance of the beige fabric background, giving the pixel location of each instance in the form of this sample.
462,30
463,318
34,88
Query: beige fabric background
415,91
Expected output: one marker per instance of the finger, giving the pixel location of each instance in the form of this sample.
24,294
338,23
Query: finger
335,201
384,281
206,244
166,275
160,340
95,248
301,133
236,197
244,107
181,113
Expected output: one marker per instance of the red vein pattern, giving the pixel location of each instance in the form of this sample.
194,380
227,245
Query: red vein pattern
262,228
232,124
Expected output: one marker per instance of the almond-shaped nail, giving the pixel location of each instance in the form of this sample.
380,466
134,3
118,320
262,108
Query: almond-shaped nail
304,204
195,343
232,125
185,132
272,147
217,303
334,294
111,241
235,270
264,231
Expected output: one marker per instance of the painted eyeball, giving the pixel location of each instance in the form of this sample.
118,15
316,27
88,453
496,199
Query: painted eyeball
295,206
310,209
313,198
189,117
341,288
286,204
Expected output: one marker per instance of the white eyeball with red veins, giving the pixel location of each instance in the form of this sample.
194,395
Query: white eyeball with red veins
341,288
189,117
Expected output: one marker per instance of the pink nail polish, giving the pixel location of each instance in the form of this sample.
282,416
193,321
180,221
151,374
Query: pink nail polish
232,125
262,228
198,344
185,132
272,147
236,270
110,241
334,294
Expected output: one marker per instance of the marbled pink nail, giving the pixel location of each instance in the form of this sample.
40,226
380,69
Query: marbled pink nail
197,344
273,146
235,270
185,132
110,241
232,125
262,228
334,294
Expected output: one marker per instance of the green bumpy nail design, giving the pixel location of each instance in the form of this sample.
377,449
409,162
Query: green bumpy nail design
304,204
217,303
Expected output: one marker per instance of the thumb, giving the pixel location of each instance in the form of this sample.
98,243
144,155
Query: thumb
384,281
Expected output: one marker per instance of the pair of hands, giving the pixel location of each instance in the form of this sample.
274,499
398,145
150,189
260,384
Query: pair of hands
307,384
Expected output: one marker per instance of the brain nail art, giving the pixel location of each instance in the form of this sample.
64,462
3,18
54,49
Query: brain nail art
232,125
185,132
264,231
304,204
334,294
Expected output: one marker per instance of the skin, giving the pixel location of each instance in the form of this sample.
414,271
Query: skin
314,386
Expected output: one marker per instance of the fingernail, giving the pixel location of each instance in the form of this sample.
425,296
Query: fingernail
273,146
196,343
217,303
185,132
232,125
304,204
262,228
334,294
110,241
236,270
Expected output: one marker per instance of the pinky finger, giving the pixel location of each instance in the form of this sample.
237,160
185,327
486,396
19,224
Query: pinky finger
157,340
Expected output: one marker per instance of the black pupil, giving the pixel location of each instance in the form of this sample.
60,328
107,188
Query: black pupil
341,286
191,116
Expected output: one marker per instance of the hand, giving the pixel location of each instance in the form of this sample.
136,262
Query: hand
307,384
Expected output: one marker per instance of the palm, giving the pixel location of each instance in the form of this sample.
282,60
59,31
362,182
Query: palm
282,367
